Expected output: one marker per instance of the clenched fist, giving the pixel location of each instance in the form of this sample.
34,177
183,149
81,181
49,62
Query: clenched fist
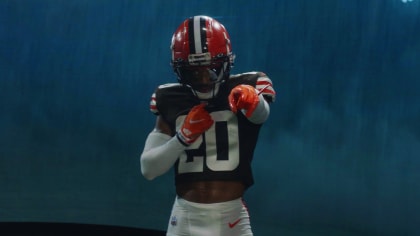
197,122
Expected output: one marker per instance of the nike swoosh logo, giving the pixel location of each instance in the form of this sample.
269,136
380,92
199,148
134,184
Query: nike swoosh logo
196,121
231,225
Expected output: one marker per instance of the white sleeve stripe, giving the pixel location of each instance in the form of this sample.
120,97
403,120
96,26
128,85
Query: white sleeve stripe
153,107
264,79
265,86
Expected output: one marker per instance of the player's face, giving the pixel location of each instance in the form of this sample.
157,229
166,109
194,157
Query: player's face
201,79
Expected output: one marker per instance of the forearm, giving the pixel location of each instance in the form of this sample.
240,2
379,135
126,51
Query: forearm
261,112
160,153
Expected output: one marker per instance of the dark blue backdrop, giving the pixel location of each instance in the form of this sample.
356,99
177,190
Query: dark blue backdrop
339,154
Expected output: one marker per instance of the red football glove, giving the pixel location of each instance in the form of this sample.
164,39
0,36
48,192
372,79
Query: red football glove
243,97
197,122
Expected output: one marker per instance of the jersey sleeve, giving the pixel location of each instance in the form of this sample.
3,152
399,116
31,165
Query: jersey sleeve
265,87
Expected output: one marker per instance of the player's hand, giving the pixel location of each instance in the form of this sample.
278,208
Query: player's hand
197,122
243,97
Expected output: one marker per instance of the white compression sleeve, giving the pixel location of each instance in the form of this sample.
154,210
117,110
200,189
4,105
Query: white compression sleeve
261,112
160,153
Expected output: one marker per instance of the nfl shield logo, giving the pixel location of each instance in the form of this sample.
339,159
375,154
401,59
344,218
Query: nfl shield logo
173,220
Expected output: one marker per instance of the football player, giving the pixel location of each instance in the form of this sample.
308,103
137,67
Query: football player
207,127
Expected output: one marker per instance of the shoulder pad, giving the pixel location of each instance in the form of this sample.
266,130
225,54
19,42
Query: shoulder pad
168,85
153,106
166,93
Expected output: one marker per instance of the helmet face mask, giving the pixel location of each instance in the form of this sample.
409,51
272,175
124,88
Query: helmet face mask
201,53
214,72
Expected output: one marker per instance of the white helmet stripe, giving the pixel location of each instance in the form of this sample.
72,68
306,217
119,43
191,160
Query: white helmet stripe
197,34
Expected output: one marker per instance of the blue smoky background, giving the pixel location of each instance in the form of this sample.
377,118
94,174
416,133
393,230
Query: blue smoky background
339,155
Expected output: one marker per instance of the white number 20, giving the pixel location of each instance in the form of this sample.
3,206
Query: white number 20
217,149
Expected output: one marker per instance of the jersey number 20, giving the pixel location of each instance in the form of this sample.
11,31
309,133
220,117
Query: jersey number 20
217,149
